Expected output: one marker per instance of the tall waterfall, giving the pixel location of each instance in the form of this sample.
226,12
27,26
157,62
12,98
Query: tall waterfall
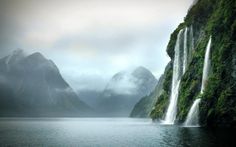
191,44
192,117
206,66
192,38
185,50
172,108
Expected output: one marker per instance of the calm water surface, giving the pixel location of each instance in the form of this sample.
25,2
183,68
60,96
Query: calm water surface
107,132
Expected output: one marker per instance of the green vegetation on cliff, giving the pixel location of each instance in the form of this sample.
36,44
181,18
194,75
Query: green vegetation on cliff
162,100
218,105
144,107
145,104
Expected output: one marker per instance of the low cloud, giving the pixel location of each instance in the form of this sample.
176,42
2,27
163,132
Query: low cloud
124,85
92,40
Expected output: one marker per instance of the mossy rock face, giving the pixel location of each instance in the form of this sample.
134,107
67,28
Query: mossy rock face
173,37
161,106
191,81
218,102
143,108
163,100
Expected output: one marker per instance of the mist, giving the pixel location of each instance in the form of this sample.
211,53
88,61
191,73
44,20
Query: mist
92,40
114,73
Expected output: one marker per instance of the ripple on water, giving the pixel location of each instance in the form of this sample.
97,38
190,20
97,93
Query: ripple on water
106,132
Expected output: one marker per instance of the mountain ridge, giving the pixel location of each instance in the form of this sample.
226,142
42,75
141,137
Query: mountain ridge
35,87
124,90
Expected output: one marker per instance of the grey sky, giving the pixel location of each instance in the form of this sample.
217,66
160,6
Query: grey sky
90,40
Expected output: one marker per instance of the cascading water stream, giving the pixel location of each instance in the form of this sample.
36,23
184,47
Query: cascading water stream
192,117
206,66
190,44
192,39
172,108
185,50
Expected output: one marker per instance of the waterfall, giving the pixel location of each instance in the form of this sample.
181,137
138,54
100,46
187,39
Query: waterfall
192,117
191,44
192,38
206,66
172,108
185,50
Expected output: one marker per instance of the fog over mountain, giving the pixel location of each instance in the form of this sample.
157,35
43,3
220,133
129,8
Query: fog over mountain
91,40
31,85
124,90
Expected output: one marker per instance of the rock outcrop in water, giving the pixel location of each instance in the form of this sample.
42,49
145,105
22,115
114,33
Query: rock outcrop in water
33,86
218,101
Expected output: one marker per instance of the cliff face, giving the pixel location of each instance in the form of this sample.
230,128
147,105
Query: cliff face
218,101
145,105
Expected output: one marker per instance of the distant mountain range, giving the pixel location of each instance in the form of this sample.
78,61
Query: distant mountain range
124,90
33,86
90,97
146,104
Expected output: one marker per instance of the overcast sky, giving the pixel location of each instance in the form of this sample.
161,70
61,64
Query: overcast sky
91,40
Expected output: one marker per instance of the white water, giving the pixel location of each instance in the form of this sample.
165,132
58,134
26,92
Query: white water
192,38
191,44
185,50
192,117
172,108
206,66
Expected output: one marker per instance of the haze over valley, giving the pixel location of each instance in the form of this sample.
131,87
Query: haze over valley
118,73
92,44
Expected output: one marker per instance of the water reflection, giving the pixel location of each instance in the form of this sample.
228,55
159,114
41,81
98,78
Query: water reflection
107,132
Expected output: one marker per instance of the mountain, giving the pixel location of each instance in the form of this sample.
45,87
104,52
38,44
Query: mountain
208,24
124,90
33,86
145,105
90,97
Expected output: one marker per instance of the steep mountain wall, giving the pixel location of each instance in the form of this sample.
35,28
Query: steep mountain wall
33,86
218,105
144,107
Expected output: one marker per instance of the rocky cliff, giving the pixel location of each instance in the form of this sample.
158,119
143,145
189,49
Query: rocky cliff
205,19
145,105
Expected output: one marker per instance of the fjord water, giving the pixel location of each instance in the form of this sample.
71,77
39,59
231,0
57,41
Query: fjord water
106,132
172,108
